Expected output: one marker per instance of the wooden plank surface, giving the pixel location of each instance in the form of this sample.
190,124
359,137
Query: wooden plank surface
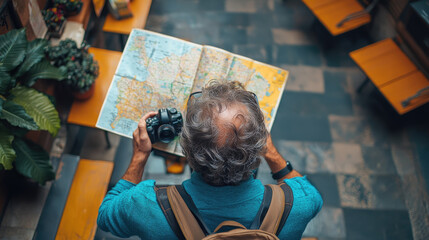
52,212
383,62
86,112
331,14
79,220
374,50
403,88
315,4
140,10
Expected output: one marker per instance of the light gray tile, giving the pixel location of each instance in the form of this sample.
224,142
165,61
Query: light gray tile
351,129
329,223
245,6
95,146
292,37
304,78
348,158
371,191
308,157
16,233
355,191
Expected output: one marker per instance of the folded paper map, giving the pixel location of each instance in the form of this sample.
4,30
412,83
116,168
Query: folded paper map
158,71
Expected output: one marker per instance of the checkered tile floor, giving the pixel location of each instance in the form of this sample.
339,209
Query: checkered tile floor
369,165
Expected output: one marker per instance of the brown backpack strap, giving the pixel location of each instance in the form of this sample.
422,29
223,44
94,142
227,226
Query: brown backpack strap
288,204
186,220
162,199
229,224
274,214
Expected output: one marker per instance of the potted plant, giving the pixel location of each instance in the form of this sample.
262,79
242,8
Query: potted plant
70,7
24,109
78,63
55,21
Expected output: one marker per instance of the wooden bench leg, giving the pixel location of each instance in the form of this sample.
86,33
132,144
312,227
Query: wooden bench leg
106,135
365,82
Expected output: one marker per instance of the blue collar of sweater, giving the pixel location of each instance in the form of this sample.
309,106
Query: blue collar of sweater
200,191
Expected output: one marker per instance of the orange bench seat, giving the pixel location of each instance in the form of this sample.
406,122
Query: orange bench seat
331,12
393,73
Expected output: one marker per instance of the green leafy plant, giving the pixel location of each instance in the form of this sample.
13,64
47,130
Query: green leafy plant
81,68
69,6
23,108
54,18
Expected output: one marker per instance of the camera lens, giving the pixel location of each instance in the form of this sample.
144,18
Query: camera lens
166,133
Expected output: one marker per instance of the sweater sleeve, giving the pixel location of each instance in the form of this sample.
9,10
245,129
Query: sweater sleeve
307,202
113,214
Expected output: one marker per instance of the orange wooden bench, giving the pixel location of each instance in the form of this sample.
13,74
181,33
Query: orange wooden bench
71,207
394,74
140,10
79,219
340,16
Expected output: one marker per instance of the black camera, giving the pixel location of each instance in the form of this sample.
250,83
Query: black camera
165,126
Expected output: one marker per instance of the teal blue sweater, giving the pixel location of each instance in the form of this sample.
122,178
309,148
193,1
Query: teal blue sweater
129,209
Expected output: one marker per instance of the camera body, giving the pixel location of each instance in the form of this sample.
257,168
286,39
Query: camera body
165,126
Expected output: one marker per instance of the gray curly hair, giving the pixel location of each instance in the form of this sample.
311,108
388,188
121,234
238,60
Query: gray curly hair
224,134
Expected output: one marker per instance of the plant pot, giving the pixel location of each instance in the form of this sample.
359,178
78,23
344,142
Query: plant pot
71,14
85,95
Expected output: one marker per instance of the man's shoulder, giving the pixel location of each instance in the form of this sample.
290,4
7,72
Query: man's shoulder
306,196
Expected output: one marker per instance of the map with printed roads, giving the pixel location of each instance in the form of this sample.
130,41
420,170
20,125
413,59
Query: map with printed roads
158,71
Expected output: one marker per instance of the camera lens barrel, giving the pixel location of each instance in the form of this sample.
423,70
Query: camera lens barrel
165,126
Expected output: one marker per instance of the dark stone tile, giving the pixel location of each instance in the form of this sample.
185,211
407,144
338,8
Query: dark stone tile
299,55
224,19
315,104
328,224
335,82
377,224
225,46
301,128
371,192
327,186
199,35
262,53
337,58
284,20
260,20
233,35
169,6
378,160
218,5
292,15
259,35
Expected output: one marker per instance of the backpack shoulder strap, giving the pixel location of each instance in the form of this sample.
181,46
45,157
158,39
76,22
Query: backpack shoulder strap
288,204
280,207
274,214
162,199
260,215
186,213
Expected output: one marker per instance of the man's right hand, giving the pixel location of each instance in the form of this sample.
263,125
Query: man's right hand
141,141
276,161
